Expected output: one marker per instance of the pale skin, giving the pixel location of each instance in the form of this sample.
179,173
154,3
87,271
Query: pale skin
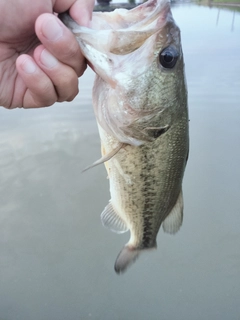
40,60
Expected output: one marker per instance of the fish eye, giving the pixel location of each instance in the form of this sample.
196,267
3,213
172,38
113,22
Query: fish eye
168,57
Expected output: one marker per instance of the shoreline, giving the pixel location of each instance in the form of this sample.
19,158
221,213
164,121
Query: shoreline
112,7
129,6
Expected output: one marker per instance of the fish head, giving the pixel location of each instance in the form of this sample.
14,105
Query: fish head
138,60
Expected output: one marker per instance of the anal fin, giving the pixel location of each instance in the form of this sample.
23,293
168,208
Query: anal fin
173,221
111,220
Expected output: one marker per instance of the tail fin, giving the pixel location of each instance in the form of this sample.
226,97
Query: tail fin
126,257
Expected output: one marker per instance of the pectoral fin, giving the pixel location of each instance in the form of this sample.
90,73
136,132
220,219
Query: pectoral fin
106,157
173,221
112,220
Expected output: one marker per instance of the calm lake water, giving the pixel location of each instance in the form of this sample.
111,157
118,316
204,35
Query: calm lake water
56,259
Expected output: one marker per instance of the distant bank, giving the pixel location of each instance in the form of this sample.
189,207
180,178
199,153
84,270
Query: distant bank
113,6
235,3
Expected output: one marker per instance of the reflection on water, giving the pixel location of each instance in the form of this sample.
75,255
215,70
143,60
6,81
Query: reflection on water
57,260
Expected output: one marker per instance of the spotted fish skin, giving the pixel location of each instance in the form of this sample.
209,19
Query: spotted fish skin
146,187
140,102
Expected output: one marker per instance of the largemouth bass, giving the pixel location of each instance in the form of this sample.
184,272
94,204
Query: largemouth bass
140,102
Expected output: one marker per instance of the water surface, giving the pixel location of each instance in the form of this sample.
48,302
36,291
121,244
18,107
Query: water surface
56,259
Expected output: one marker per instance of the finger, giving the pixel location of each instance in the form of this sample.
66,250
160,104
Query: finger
63,77
40,90
60,41
81,12
62,5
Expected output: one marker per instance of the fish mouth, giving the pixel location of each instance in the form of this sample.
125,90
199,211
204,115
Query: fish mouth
113,36
109,31
138,18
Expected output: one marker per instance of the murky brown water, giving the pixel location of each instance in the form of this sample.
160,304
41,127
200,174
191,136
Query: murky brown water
56,259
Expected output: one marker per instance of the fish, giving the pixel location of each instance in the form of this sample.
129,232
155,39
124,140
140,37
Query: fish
140,103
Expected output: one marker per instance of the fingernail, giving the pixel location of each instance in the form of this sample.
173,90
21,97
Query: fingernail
52,30
84,19
28,66
48,60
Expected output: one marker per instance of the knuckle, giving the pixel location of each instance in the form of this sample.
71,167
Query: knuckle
68,94
74,94
68,87
66,81
82,69
44,98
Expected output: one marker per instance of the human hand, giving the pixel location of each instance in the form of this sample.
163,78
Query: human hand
40,66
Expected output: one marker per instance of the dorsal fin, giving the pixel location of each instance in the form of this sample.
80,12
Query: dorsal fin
112,220
173,221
